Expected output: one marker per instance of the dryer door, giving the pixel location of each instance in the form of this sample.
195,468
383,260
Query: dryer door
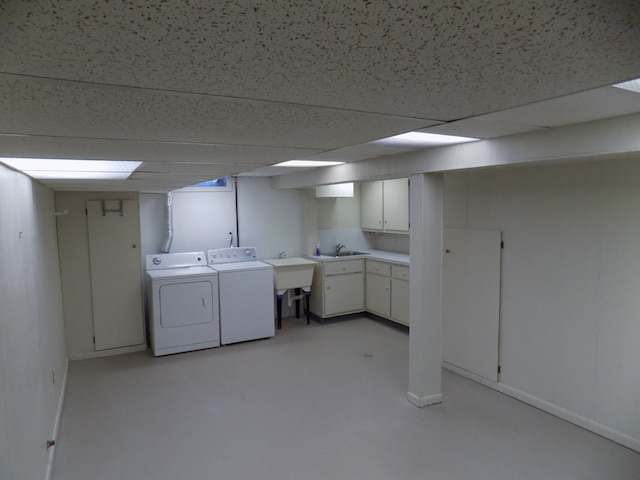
183,304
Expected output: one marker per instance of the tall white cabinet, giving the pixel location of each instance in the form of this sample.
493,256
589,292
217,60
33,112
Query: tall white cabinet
384,205
100,269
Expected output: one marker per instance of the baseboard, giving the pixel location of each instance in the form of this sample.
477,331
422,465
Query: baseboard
583,422
107,353
424,401
56,423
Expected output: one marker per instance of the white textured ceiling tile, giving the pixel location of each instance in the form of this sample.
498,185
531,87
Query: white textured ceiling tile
480,127
92,148
197,168
401,57
579,107
37,106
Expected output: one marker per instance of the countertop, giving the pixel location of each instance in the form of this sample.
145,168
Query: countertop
392,257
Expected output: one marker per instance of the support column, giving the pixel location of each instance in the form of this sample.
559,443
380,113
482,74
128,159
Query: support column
425,342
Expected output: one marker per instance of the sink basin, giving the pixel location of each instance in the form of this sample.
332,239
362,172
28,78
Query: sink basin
294,272
346,253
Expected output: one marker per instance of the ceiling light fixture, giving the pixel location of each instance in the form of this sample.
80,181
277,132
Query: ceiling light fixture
306,163
631,85
59,168
422,139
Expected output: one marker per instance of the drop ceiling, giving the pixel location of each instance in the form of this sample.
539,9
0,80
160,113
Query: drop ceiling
201,89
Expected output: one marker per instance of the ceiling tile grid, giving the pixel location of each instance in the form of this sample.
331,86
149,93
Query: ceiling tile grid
256,82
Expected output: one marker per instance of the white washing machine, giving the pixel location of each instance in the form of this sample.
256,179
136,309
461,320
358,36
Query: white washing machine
183,302
245,294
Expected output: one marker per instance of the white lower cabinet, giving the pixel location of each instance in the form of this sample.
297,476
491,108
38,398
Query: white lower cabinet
387,290
338,288
378,289
400,294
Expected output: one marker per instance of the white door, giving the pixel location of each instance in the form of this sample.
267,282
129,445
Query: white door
471,300
116,284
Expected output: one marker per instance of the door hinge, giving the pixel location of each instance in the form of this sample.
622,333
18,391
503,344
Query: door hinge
499,368
94,339
502,244
86,211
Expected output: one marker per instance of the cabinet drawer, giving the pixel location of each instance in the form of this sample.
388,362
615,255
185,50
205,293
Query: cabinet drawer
344,266
379,268
398,271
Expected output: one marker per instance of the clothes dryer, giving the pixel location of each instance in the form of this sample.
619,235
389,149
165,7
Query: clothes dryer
183,302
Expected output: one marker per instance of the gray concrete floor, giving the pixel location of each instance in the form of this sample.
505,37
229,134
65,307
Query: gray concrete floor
325,401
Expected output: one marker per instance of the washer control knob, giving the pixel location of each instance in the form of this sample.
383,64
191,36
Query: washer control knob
157,260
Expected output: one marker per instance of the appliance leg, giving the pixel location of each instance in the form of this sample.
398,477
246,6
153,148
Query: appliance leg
279,305
297,292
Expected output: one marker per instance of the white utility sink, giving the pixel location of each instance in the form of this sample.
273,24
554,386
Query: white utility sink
294,272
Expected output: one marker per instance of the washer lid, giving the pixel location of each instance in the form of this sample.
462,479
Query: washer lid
242,266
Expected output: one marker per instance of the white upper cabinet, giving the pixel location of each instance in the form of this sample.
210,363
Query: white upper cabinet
384,205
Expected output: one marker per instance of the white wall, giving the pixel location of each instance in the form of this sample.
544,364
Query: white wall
570,283
339,222
271,220
32,342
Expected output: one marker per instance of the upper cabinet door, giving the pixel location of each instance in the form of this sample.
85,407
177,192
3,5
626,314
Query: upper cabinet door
371,206
396,205
384,206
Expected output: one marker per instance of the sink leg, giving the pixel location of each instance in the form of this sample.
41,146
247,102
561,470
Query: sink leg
306,301
297,292
279,305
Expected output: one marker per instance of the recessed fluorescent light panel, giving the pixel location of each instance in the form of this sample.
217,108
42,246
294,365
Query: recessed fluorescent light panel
306,163
56,168
632,85
421,139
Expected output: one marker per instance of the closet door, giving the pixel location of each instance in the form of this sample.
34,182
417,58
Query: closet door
116,273
471,300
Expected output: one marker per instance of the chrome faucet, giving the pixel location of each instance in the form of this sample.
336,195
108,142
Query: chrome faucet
339,247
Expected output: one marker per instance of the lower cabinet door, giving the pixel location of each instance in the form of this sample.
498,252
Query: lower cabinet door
343,293
378,295
400,300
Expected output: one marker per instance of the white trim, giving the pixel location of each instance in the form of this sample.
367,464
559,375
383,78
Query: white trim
107,353
424,401
586,423
56,423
